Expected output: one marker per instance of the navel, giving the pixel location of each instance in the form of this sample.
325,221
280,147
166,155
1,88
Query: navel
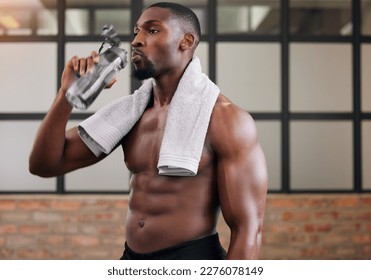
141,223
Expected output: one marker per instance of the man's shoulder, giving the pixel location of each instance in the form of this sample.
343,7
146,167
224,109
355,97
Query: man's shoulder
229,114
230,124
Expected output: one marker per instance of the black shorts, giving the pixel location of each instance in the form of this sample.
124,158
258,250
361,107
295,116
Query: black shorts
206,248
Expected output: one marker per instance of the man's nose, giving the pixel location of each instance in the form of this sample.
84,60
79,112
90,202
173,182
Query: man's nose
138,41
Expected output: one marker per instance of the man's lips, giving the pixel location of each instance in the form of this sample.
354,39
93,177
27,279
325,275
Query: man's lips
136,56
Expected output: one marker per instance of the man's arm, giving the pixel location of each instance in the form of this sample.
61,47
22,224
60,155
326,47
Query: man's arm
56,151
241,176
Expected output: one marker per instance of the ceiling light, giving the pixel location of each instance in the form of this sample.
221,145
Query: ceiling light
9,22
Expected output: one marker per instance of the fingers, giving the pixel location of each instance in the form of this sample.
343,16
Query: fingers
110,84
81,66
74,63
95,56
91,61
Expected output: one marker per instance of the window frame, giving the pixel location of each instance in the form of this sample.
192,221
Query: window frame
285,117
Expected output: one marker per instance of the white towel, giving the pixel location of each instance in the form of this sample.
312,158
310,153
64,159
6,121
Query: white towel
185,129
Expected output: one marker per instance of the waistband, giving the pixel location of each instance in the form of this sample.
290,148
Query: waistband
207,247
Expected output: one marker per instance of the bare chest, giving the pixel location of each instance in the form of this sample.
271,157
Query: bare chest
142,145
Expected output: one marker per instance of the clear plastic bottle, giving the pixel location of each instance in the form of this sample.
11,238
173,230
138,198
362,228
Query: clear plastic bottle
86,89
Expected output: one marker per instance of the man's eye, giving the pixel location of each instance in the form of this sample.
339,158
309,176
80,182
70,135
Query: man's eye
153,31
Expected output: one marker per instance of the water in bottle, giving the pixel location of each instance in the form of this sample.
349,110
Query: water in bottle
86,89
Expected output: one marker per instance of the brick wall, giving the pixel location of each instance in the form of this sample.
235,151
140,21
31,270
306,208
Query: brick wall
313,226
306,226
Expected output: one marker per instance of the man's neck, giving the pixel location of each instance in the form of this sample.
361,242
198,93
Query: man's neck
164,87
163,90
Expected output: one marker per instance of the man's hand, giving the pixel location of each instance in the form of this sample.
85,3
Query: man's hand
77,67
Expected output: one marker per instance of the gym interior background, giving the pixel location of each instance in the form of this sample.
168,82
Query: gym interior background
302,69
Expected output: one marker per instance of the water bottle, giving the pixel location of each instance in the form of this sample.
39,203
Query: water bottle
86,89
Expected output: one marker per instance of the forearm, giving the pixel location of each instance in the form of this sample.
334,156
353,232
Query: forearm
244,245
48,148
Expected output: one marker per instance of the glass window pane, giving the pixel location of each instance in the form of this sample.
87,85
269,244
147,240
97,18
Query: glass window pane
87,17
28,74
21,18
249,74
47,22
202,52
16,141
199,7
365,76
110,174
248,16
320,77
366,154
96,3
120,88
269,133
366,17
321,155
326,17
119,18
77,22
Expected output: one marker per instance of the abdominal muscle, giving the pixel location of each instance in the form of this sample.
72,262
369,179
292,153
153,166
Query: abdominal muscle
166,211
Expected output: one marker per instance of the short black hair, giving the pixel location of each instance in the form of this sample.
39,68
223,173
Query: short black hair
183,13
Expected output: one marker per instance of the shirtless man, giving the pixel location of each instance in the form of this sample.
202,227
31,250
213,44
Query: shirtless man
170,217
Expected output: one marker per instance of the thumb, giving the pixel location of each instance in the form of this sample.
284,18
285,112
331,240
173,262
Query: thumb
110,84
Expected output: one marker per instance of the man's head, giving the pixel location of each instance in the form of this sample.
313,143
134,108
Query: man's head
185,15
166,35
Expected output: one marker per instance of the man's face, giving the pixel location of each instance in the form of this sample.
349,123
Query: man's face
156,43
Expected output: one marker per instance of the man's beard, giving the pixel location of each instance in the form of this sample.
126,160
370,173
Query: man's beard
149,71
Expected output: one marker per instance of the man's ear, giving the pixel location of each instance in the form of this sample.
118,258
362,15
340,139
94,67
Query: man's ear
188,41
